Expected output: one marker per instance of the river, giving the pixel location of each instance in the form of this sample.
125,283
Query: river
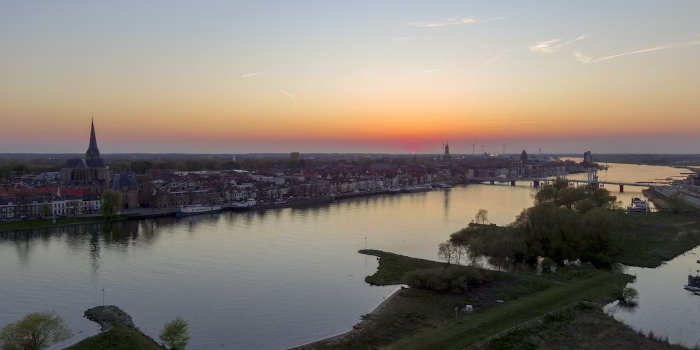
249,280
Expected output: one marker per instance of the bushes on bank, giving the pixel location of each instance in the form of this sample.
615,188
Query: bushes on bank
455,279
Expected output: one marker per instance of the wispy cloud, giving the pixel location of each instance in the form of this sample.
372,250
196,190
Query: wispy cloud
582,58
445,22
431,70
292,97
588,59
250,75
554,45
547,46
453,21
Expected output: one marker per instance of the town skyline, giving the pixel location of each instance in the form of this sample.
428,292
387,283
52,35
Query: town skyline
395,77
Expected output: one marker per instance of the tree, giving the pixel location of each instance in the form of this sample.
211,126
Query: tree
111,203
141,166
45,210
35,331
450,252
482,217
175,334
627,297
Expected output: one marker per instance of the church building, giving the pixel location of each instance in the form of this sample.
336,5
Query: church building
90,171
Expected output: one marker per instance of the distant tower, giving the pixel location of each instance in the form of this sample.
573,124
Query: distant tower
93,152
523,164
447,150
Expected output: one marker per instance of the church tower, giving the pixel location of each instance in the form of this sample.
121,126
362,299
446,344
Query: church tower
93,152
92,155
447,151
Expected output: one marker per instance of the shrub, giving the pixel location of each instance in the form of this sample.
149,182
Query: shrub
35,331
456,279
175,334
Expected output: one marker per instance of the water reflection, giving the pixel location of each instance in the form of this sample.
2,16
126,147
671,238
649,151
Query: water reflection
664,307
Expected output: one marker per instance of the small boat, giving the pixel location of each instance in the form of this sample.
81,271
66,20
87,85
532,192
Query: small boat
638,206
418,188
442,185
188,210
693,284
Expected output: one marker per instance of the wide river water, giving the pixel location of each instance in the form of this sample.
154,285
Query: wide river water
259,280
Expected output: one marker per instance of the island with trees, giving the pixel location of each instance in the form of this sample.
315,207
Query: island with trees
540,282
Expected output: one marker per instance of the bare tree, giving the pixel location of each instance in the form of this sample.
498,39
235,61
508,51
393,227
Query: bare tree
482,217
450,252
459,252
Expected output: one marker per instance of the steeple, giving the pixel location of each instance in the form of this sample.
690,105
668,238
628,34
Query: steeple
92,152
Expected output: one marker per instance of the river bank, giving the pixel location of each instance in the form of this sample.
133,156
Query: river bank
148,213
27,225
362,326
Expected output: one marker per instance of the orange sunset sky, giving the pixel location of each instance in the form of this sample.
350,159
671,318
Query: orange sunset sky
366,76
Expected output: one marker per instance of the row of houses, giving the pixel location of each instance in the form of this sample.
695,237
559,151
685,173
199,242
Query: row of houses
40,205
40,196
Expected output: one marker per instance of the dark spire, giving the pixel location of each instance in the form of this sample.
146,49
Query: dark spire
93,151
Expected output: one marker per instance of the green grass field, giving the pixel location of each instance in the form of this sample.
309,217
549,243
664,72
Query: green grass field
599,288
649,240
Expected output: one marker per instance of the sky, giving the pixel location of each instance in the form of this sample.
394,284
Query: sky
350,76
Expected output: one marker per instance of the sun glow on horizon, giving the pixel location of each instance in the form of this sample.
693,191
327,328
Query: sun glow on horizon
400,80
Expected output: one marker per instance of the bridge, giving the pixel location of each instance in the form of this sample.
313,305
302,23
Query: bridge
536,181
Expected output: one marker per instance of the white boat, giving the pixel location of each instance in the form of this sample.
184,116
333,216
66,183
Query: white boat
188,210
244,204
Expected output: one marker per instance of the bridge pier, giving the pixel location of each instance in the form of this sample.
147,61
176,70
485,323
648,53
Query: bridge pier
622,188
535,183
493,182
512,182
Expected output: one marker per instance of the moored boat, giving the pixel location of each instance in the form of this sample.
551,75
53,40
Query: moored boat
638,206
188,210
693,284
